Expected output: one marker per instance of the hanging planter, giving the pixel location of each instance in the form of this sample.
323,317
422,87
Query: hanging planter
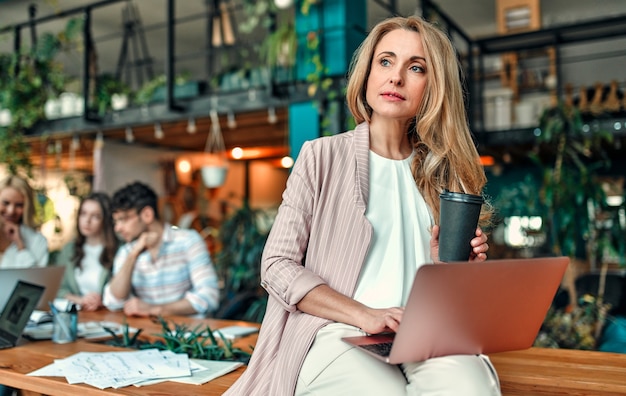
215,163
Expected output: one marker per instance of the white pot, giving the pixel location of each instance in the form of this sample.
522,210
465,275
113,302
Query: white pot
69,103
213,176
119,101
52,108
5,117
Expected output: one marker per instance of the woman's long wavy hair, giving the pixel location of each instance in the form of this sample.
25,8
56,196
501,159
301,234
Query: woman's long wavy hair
108,233
29,217
446,157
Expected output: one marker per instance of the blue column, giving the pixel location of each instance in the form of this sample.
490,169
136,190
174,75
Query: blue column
340,26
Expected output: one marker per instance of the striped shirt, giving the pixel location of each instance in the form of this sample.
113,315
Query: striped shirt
183,269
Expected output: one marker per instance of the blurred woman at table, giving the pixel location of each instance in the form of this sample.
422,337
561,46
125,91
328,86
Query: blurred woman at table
21,245
89,258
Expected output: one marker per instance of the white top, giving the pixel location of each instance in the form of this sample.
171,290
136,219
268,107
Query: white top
401,239
88,277
34,254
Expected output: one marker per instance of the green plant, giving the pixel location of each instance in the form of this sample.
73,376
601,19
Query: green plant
145,93
578,328
242,238
280,46
124,340
321,87
106,87
198,343
30,78
570,156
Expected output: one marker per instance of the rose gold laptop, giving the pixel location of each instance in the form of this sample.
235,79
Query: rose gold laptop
470,308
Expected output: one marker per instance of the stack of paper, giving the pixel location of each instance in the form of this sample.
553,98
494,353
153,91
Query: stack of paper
119,369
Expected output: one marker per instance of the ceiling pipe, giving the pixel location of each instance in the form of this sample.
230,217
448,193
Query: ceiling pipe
170,58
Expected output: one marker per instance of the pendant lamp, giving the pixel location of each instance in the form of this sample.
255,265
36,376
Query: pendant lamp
215,162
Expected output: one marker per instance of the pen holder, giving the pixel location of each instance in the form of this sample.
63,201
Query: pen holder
64,327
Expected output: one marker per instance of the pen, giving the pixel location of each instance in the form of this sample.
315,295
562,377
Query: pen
59,320
53,309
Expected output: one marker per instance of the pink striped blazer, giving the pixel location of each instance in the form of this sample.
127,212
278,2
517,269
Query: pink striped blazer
320,236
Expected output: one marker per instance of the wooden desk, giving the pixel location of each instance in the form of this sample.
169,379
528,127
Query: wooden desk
16,362
550,372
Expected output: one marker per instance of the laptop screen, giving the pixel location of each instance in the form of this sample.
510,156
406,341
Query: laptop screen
49,277
18,309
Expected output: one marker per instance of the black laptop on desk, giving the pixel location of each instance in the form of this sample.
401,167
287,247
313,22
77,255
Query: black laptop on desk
17,311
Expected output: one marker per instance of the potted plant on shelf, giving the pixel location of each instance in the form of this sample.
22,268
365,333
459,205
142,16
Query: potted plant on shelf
571,155
111,93
279,47
29,79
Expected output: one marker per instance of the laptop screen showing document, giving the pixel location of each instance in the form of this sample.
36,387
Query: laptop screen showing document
49,277
471,308
16,312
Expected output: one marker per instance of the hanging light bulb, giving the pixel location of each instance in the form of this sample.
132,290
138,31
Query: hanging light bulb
75,142
130,137
158,131
58,150
74,145
231,121
191,126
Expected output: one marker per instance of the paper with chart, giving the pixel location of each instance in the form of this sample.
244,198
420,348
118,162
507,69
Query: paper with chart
117,369
202,371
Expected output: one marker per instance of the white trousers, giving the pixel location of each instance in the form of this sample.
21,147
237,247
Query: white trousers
332,367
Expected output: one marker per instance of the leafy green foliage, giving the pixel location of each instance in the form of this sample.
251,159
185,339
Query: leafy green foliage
146,92
198,343
242,239
125,340
570,156
106,87
30,77
279,47
575,329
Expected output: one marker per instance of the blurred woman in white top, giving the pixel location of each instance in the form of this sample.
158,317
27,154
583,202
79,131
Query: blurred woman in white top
89,258
21,245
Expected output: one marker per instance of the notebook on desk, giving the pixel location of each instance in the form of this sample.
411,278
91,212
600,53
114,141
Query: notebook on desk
470,308
48,277
15,315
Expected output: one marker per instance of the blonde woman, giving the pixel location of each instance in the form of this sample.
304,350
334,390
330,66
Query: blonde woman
359,216
21,245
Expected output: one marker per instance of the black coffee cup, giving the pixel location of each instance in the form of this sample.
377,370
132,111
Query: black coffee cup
458,219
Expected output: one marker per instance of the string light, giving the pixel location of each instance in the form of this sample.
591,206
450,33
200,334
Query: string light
130,137
158,131
191,126
231,121
271,115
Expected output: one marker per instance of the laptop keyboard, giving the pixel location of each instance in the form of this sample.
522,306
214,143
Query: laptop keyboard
382,349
